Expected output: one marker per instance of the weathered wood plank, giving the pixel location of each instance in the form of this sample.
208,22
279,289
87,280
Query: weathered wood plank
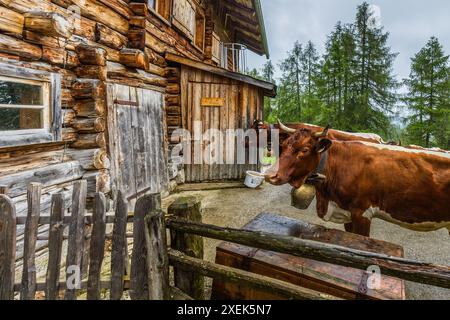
157,259
119,248
55,243
189,282
139,278
76,240
97,247
7,247
47,176
28,289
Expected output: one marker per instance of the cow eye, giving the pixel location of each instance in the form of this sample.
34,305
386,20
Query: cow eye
305,150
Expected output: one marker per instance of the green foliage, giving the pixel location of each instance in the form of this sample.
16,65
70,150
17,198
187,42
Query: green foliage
351,87
428,97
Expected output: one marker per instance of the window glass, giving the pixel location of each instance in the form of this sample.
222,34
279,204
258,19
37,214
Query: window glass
152,3
20,119
16,93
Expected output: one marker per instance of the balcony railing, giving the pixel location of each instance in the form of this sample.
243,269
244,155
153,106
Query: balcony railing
233,56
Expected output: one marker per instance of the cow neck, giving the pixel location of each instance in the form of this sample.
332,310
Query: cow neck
318,175
322,164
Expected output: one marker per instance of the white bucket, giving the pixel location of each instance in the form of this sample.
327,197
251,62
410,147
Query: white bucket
254,179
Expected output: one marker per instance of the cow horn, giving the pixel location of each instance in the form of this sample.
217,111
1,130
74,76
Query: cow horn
285,128
322,134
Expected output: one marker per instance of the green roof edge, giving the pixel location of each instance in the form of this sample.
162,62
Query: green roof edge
259,13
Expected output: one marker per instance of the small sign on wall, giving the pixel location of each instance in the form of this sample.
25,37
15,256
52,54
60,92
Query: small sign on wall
212,102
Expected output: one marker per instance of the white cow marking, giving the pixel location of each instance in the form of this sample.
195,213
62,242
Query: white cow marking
337,215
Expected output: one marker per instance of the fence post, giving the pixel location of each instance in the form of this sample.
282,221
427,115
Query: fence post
28,286
76,240
157,259
7,247
119,248
97,246
139,272
188,208
55,242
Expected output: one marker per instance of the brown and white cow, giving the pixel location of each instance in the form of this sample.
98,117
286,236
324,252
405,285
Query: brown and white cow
408,187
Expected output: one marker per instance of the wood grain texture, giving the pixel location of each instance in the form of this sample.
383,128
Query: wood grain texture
76,236
139,271
157,259
97,247
28,289
7,247
119,248
55,243
190,209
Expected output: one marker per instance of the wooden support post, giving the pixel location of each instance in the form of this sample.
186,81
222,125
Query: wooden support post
157,260
28,289
188,208
97,246
139,273
119,248
55,243
7,247
76,239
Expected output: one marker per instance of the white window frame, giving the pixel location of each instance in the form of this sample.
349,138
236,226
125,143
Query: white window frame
51,105
45,107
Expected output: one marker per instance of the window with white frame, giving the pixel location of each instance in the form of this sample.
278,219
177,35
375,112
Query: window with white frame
24,106
30,108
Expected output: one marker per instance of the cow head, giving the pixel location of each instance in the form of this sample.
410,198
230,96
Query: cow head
299,157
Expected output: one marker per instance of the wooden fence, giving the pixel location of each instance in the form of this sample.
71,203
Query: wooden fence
86,237
148,275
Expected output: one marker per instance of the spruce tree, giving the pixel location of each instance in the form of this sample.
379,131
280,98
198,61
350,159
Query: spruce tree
268,72
428,97
290,91
374,73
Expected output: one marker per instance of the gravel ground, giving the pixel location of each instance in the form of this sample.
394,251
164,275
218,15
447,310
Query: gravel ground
236,207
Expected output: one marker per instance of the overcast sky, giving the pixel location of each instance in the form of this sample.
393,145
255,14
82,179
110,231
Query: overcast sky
410,24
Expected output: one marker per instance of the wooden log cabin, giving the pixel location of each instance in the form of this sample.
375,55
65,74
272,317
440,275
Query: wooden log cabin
93,89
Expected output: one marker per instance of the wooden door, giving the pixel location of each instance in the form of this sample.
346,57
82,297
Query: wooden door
222,115
136,140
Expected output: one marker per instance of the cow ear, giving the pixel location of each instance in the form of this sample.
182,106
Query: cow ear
323,145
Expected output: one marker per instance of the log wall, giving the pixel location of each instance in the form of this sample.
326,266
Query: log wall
92,43
110,41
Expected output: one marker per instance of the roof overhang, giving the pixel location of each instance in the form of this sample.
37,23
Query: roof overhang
245,20
269,89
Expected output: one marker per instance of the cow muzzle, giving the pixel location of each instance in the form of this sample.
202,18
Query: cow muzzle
274,179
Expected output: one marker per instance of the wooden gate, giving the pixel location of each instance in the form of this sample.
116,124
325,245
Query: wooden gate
136,140
222,105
